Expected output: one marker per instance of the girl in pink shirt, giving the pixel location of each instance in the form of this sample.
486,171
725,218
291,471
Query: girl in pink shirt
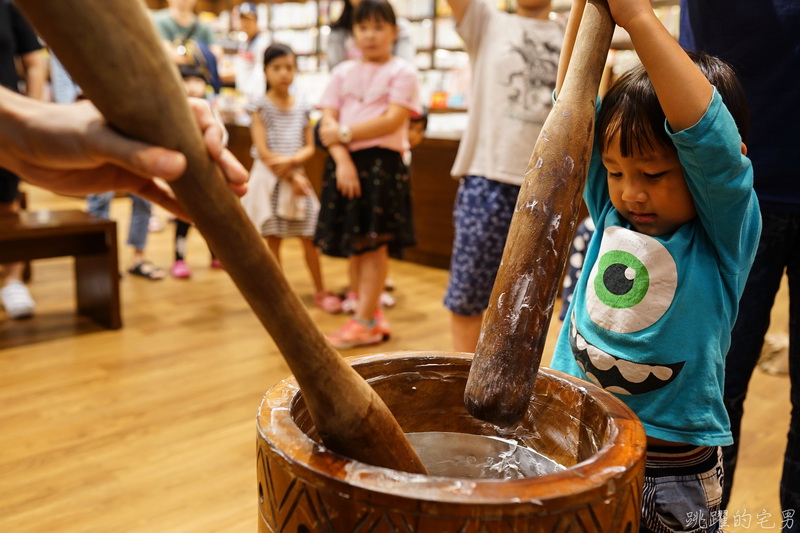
366,195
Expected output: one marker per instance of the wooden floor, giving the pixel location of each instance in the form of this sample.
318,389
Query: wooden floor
151,428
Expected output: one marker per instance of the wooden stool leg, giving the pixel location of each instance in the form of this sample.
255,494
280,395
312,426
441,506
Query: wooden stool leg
27,273
97,284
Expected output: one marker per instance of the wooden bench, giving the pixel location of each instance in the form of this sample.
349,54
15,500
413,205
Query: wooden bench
91,240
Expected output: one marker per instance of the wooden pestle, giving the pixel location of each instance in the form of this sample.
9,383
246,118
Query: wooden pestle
514,329
113,51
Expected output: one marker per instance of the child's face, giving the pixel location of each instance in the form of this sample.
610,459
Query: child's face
375,38
249,25
195,87
416,132
280,72
649,189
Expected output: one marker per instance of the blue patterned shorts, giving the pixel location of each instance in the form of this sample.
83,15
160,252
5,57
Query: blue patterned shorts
482,215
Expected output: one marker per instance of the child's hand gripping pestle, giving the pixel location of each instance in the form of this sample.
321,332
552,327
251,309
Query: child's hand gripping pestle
514,330
126,73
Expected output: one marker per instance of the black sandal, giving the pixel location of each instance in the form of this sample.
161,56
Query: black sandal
148,270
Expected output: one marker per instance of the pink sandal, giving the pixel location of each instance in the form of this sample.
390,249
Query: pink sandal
328,302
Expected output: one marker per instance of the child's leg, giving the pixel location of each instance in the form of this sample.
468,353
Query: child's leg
312,262
99,205
274,244
350,301
353,273
137,239
323,299
179,268
181,231
372,267
466,330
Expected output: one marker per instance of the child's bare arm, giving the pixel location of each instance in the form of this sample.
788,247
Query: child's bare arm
280,164
307,151
286,166
459,7
260,140
301,186
390,121
683,91
346,173
573,22
329,127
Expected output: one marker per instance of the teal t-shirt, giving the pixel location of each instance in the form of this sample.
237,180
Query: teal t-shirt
174,32
651,317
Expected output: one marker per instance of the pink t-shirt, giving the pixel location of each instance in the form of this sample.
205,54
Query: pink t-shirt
361,90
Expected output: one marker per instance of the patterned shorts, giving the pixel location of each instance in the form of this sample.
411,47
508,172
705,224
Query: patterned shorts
482,215
682,490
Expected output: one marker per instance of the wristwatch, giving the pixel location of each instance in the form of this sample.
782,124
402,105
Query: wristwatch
345,135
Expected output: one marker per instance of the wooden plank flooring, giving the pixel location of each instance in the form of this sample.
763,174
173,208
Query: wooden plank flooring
151,428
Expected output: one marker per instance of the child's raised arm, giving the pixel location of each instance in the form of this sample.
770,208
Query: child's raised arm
459,7
683,91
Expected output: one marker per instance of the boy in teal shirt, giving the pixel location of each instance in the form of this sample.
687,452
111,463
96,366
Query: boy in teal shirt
671,193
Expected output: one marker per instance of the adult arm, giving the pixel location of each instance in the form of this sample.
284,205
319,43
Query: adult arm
70,149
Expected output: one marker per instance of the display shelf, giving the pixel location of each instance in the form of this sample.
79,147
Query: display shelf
440,56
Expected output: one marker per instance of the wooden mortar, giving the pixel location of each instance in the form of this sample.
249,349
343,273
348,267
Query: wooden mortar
303,487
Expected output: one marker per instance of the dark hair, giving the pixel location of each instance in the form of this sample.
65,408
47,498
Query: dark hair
345,20
631,107
274,51
192,70
374,10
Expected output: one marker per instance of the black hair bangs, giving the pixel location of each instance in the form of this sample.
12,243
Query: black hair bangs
276,50
374,10
631,110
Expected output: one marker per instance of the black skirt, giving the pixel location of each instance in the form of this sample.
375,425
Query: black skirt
380,216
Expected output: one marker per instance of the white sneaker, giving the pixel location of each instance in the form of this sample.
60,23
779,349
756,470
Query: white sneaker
17,300
387,300
350,303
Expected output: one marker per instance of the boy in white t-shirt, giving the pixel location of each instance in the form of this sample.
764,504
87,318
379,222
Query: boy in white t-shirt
514,58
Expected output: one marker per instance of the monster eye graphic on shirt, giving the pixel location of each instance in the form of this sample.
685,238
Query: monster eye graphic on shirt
631,286
632,283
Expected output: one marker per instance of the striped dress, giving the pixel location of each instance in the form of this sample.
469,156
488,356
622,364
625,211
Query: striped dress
286,135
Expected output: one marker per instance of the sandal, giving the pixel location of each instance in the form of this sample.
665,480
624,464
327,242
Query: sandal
147,270
329,303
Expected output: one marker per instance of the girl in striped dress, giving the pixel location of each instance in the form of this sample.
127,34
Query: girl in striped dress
280,200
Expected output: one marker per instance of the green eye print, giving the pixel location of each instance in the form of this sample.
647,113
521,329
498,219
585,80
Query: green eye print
622,280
